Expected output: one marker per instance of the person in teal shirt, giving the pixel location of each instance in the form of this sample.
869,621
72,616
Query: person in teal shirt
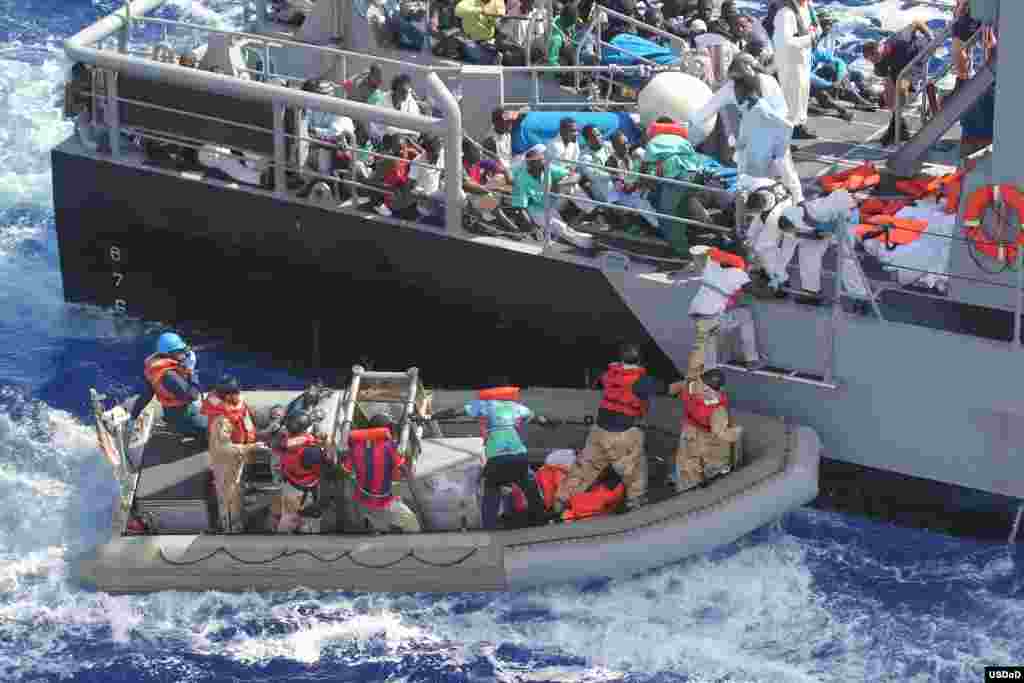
502,421
528,194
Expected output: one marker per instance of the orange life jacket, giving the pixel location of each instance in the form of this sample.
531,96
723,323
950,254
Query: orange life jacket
155,368
499,394
977,204
495,394
698,412
372,434
727,259
597,501
899,231
922,186
618,382
873,206
656,129
292,467
852,179
243,429
549,477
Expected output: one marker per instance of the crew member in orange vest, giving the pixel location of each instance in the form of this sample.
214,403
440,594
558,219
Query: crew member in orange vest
375,464
170,377
302,456
706,441
232,439
616,438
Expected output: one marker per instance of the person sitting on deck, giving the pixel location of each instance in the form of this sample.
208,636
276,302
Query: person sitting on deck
830,76
393,173
170,376
368,88
605,184
401,98
233,439
528,185
616,439
499,143
479,22
302,456
329,128
715,308
564,150
375,464
502,417
890,59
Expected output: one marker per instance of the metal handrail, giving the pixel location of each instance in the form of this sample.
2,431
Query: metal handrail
676,40
79,48
927,53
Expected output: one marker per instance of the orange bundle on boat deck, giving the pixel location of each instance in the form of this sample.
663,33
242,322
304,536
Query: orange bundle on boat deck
875,206
852,179
896,231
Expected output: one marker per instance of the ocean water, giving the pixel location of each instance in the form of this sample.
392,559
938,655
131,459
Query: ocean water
815,597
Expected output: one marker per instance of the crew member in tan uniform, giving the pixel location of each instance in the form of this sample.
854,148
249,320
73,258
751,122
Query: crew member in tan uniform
707,442
232,435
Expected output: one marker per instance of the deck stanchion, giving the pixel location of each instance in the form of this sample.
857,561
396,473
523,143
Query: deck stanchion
1020,302
280,184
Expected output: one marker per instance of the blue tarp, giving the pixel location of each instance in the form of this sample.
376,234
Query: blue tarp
539,127
640,47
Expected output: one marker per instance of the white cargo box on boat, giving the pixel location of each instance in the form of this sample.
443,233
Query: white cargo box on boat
446,483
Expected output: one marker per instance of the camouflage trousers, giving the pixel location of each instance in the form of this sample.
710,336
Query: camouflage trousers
622,450
229,495
700,456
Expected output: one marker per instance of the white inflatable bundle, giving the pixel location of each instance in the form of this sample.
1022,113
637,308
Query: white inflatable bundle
677,95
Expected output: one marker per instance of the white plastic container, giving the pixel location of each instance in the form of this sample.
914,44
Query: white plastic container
446,483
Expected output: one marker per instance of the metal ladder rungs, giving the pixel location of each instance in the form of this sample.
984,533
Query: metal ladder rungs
784,374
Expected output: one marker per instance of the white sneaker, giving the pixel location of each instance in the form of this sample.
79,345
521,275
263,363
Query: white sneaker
383,210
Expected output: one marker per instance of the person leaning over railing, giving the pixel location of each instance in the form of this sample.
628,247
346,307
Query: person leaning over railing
890,59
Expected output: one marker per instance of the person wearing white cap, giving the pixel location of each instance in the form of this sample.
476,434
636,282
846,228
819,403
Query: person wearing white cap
715,307
528,185
763,200
813,224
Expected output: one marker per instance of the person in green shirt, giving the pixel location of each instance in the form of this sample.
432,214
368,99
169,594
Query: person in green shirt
528,185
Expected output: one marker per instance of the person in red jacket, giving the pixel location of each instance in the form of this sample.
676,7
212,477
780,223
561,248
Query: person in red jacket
375,464
302,457
616,438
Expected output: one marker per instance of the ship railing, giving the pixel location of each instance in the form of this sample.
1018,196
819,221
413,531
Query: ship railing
309,174
80,48
347,62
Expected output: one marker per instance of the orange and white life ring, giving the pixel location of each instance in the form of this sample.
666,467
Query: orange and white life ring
974,212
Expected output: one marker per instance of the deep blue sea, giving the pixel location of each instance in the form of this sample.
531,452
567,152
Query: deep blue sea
816,597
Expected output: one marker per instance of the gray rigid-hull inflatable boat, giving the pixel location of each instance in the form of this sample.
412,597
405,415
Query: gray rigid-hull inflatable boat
165,484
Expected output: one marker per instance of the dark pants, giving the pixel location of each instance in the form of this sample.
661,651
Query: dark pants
508,469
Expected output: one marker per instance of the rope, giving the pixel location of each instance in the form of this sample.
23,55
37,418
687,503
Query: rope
291,553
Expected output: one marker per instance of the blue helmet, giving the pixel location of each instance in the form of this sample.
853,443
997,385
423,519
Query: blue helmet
169,342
